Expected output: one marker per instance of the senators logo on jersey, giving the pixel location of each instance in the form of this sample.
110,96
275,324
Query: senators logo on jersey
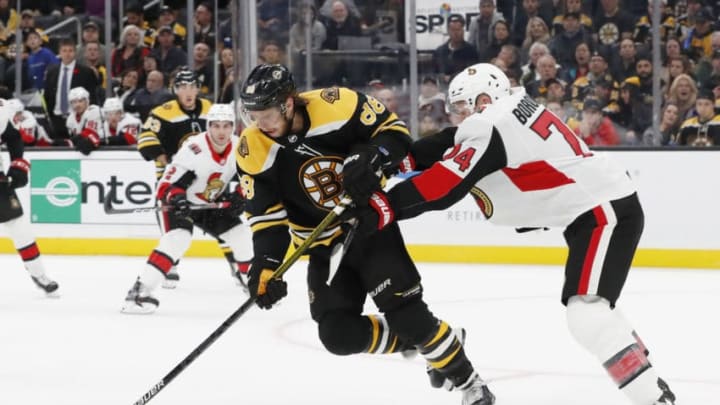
215,186
322,180
483,201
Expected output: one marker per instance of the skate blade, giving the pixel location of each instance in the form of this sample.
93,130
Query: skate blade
169,284
132,308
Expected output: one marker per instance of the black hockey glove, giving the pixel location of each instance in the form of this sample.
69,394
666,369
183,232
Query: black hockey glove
18,171
177,198
237,202
362,171
266,289
82,144
373,217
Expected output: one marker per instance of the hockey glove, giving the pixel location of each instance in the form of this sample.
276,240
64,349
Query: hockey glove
177,198
362,171
266,289
375,216
18,171
237,202
82,144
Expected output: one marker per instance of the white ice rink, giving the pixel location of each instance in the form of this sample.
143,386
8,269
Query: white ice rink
79,350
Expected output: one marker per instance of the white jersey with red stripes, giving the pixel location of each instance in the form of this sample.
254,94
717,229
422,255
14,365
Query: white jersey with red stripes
32,132
89,122
550,175
212,171
127,128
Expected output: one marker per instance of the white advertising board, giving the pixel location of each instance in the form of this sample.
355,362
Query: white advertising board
431,19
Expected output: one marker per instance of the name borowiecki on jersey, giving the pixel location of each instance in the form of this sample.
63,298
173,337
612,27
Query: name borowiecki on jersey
168,126
294,181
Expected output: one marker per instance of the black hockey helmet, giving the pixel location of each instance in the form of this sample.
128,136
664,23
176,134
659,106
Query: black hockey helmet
185,75
267,86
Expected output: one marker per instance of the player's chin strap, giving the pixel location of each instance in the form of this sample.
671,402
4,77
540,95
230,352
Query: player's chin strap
329,219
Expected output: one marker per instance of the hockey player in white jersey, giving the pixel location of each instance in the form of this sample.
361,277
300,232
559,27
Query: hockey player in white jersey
84,124
199,174
525,168
119,127
13,222
32,133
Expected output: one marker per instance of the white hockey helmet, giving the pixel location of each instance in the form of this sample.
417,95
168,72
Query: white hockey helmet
481,78
221,112
78,93
15,105
112,104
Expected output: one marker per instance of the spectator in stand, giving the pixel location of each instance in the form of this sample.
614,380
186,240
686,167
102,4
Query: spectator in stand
27,23
669,126
271,52
38,7
38,60
570,6
642,97
202,66
166,18
149,64
547,70
702,70
703,129
90,33
59,79
697,43
168,56
643,27
129,80
340,23
130,53
676,67
152,95
430,92
389,98
685,21
581,64
273,19
529,9
307,15
480,31
68,8
623,65
612,24
683,92
563,46
594,128
203,25
9,19
529,71
92,59
537,31
456,54
227,61
510,55
135,15
500,37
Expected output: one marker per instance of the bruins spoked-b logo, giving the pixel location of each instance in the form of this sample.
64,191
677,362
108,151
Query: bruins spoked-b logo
321,179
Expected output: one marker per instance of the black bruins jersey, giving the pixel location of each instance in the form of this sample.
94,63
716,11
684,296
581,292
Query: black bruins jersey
168,126
696,133
294,181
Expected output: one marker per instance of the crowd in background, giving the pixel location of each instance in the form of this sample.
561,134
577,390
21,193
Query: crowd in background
589,61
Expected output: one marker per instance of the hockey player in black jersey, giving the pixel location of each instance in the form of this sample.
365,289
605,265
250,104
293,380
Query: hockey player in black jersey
301,153
165,130
12,220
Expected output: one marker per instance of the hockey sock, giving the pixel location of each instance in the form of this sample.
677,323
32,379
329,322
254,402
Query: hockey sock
607,335
25,244
384,340
444,352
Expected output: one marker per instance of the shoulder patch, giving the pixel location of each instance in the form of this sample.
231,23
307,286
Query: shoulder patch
256,152
243,147
195,148
167,106
330,94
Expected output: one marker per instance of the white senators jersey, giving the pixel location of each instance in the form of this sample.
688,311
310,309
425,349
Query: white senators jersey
523,166
126,131
32,133
202,172
86,123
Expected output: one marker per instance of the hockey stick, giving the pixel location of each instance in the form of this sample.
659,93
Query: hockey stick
319,229
110,210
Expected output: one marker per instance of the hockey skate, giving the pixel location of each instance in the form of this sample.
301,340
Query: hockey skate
240,278
171,279
477,393
139,300
44,283
437,379
667,397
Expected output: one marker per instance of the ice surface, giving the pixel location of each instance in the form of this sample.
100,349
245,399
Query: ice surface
79,349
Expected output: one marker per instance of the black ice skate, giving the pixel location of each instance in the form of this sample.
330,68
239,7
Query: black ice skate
477,393
44,283
139,300
171,279
667,397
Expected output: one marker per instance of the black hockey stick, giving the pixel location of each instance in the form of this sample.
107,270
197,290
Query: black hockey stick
110,210
319,229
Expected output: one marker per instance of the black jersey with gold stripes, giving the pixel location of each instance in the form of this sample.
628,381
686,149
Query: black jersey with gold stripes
168,126
295,180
